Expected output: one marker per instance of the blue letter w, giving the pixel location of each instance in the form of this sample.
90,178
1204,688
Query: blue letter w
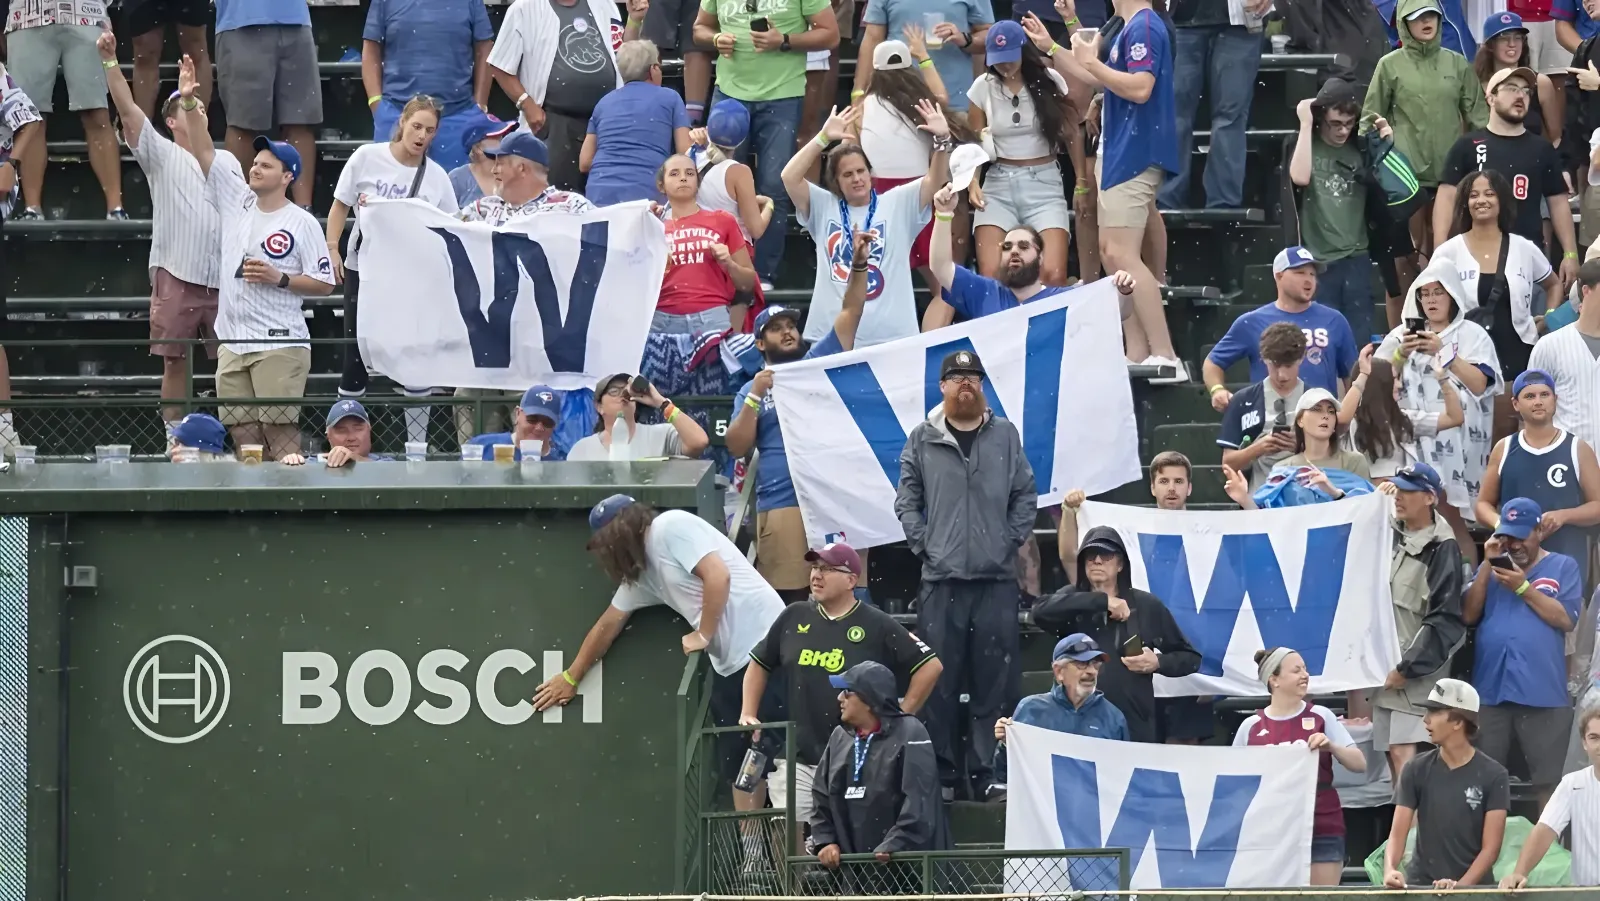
862,395
1247,565
565,341
1153,805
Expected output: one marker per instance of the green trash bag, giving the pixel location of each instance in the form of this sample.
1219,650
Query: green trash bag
1554,870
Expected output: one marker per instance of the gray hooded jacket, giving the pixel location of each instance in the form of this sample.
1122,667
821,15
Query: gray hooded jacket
965,517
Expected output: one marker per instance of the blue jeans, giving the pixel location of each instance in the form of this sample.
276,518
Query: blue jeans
773,127
446,150
1346,286
714,320
1224,59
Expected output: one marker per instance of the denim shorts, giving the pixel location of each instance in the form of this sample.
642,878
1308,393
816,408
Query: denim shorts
712,320
1327,849
1024,195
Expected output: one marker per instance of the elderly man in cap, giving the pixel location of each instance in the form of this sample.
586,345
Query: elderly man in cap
1425,582
349,436
781,546
1074,705
877,785
522,169
967,502
535,419
617,403
204,434
1524,601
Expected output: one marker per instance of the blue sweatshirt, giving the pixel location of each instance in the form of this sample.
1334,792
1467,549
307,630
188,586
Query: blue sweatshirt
1097,718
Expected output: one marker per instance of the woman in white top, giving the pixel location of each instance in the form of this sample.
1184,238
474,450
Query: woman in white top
395,169
614,400
1435,332
1022,100
832,214
1380,428
1511,302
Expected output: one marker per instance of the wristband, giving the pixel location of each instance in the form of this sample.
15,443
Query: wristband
925,64
671,411
857,94
855,268
633,21
373,100
188,103
1399,358
1521,589
1081,191
1070,22
752,403
1215,388
943,217
523,99
568,676
1570,255
1053,48
109,64
822,141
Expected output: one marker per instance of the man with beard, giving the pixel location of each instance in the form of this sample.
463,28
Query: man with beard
1529,163
972,295
967,502
780,533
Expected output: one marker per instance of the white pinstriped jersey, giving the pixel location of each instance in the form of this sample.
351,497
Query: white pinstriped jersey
288,238
1564,355
1577,801
16,110
183,234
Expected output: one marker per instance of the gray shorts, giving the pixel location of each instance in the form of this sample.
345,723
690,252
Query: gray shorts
1541,733
1395,727
670,25
267,76
1024,195
36,54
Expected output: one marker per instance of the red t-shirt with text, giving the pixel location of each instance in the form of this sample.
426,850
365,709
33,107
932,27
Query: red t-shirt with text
694,281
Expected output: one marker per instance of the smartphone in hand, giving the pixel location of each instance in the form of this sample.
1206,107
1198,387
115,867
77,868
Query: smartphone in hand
1133,647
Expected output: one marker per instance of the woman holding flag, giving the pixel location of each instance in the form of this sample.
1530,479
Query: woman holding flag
1290,719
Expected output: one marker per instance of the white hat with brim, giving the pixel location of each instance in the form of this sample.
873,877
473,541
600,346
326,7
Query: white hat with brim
965,161
1418,13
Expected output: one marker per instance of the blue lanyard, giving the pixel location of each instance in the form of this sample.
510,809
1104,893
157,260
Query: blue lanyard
849,230
862,746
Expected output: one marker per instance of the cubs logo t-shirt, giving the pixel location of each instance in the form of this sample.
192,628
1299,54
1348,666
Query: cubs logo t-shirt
1330,345
1528,162
1136,136
288,238
896,217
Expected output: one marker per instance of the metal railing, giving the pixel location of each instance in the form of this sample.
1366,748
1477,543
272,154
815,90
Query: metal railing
1056,874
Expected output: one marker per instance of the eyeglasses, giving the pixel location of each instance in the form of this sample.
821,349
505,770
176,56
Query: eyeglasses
617,391
964,378
1515,89
820,567
1341,124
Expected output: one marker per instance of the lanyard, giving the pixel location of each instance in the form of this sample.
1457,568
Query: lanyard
862,746
849,230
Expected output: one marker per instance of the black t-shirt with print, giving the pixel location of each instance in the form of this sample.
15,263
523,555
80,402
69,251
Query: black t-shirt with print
1527,162
582,71
1450,806
809,646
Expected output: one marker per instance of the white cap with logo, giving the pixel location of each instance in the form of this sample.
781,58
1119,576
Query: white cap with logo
1453,694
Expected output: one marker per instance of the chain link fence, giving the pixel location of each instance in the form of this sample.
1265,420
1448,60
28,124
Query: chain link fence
1057,874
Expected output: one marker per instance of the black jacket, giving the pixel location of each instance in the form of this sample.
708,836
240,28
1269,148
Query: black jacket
1077,608
1583,113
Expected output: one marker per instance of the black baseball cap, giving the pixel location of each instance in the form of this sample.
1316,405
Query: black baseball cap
961,361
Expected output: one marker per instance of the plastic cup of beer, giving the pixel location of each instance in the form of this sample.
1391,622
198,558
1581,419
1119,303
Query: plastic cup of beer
416,451
930,21
25,454
472,453
505,453
250,453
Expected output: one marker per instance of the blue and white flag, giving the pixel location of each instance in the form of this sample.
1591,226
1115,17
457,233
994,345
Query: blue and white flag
1313,578
560,299
1056,371
1191,817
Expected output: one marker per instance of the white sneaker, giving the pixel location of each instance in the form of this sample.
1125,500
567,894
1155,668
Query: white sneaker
1177,378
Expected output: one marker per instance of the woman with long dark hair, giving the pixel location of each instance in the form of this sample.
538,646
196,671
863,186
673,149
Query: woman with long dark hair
709,276
1022,100
1318,436
1379,428
1505,46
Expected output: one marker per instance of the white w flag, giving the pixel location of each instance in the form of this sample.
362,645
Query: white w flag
1191,817
1056,371
561,299
1312,578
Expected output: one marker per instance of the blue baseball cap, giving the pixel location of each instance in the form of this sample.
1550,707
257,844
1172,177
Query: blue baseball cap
1419,477
1518,518
524,144
1079,647
1293,258
202,432
607,510
484,126
283,150
346,408
1004,44
1532,377
540,400
771,312
727,123
1498,23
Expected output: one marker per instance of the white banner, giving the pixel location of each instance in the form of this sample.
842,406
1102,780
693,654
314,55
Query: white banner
1191,817
561,299
1056,371
1312,578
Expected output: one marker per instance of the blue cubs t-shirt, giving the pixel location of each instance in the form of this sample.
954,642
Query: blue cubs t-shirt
1136,136
428,48
973,295
1331,349
1519,658
774,488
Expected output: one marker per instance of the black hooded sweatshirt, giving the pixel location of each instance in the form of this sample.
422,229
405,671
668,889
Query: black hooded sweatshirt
1079,608
894,806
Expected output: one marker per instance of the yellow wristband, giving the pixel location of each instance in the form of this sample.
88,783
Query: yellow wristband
1053,48
1081,190
944,217
633,21
752,403
1070,22
857,94
570,681
822,140
671,411
1215,388
109,63
1570,255
1399,358
373,100
925,64
1521,589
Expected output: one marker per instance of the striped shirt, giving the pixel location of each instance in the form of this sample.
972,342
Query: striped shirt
16,110
494,211
1577,801
183,235
1564,354
288,238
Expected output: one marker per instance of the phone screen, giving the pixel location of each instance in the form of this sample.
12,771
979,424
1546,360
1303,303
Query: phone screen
1503,561
1133,647
759,24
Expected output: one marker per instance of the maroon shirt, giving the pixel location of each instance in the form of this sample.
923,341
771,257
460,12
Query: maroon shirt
1329,817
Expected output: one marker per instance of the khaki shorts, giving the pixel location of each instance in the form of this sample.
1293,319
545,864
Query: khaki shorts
179,309
280,372
1545,54
778,788
1396,727
781,548
1127,205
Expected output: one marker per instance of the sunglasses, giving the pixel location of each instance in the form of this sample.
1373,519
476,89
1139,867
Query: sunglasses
1016,102
1081,647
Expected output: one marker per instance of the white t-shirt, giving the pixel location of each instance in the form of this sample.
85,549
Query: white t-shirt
1017,130
674,545
1332,728
372,170
891,307
288,238
1526,267
655,440
895,147
183,235
1577,801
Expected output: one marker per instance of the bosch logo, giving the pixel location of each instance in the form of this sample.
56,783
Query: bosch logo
278,245
176,671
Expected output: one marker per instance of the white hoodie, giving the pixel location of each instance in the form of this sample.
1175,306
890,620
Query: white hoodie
1460,454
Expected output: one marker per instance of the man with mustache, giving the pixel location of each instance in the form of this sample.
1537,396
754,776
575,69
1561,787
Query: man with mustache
1529,163
967,502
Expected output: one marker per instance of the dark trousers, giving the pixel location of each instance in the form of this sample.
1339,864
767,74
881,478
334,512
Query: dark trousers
972,626
353,381
563,136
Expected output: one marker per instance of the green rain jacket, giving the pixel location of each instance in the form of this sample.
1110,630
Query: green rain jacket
1425,92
